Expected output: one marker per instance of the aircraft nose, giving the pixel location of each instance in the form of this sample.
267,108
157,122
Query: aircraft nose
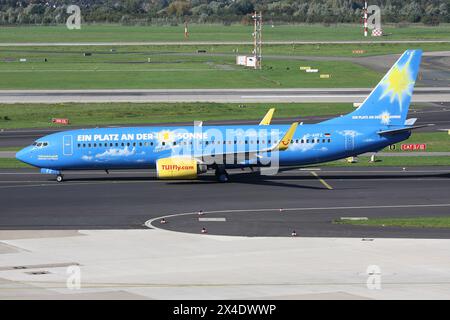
23,155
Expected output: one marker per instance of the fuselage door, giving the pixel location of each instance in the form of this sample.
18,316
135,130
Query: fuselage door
349,142
67,146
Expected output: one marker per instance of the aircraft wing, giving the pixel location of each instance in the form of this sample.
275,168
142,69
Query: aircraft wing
252,155
267,118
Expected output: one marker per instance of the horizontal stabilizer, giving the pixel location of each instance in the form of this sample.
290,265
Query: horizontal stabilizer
400,130
410,122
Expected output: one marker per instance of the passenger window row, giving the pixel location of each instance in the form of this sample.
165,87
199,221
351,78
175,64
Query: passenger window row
146,144
123,144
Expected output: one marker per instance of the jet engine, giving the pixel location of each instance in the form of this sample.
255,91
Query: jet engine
179,168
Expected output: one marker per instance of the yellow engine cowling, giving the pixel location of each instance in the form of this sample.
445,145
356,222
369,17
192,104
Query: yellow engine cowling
177,168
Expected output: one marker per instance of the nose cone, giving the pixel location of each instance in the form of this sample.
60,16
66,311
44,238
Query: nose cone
24,155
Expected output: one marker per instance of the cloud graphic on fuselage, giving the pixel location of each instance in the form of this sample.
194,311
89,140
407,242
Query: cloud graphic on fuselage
351,133
117,153
303,147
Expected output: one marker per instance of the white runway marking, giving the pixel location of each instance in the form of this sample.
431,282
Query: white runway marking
212,219
149,223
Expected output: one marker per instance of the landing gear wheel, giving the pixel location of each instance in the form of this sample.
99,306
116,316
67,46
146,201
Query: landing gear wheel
59,178
222,175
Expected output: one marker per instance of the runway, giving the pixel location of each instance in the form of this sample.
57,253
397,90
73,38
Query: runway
250,205
424,94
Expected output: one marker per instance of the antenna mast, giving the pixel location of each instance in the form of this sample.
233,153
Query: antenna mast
257,39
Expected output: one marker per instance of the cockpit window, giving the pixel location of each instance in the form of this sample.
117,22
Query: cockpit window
40,144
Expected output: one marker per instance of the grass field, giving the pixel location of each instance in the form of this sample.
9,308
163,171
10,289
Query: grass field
129,68
11,163
435,141
412,161
179,66
214,32
10,148
346,50
422,222
142,52
40,115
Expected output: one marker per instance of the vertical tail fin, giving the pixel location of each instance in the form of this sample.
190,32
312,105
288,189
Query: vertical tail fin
389,102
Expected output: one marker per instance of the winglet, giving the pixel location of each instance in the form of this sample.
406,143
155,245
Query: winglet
286,140
267,118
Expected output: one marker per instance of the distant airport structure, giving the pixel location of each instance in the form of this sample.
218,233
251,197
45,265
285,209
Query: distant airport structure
373,22
255,60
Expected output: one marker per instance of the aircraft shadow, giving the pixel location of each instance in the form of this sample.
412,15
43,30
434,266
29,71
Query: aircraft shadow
254,178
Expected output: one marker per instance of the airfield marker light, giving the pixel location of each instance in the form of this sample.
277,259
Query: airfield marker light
200,213
281,209
294,234
163,221
186,31
204,231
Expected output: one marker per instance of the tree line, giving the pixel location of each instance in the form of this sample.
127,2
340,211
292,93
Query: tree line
17,12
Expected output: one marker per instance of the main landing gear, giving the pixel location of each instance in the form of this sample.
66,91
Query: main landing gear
221,174
59,178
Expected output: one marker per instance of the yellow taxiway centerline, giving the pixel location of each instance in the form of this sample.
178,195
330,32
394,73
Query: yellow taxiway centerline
322,181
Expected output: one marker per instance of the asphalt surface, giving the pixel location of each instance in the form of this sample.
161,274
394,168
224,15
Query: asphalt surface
429,94
129,199
434,113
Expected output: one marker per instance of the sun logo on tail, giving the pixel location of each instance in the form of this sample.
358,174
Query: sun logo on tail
398,83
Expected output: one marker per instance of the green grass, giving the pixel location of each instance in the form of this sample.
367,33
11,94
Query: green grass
422,222
411,161
214,32
346,50
10,148
435,141
40,115
11,163
125,69
131,52
177,66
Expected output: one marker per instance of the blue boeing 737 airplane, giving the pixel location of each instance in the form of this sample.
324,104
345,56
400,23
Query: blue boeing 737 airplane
186,151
